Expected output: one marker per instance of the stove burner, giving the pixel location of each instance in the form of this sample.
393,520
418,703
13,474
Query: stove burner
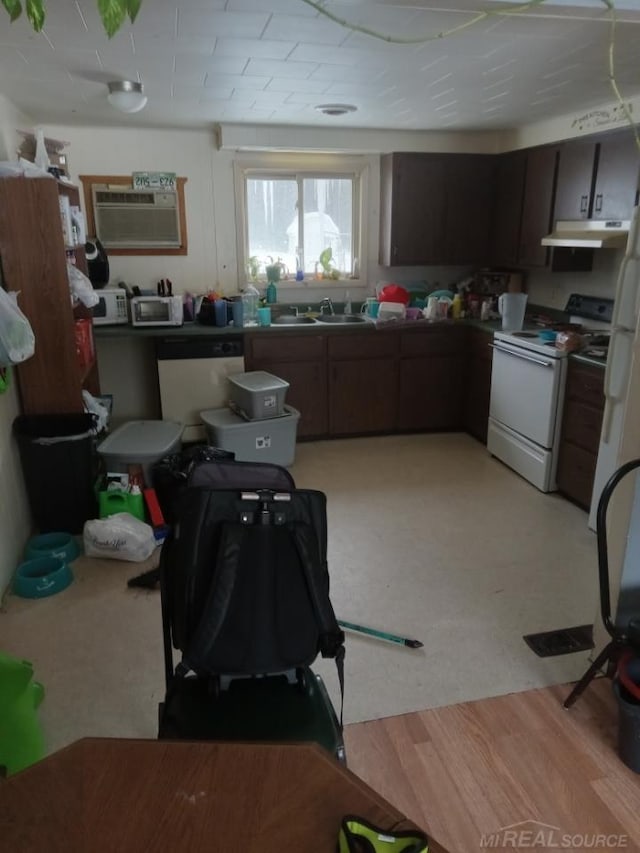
524,334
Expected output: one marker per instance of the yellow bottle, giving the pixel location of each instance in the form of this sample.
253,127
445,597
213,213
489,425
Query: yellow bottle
456,307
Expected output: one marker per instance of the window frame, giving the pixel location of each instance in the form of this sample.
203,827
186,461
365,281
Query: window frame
299,167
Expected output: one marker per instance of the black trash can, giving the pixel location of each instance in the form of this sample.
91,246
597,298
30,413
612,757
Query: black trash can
629,716
56,452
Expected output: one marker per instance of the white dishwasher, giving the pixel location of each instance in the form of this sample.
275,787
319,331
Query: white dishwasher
193,376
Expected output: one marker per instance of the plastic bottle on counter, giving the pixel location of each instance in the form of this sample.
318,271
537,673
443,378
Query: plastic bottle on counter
271,294
250,299
485,309
456,307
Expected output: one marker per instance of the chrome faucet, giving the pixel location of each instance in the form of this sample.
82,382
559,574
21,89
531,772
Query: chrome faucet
294,309
327,303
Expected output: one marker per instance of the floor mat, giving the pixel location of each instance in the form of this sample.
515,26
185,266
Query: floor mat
562,642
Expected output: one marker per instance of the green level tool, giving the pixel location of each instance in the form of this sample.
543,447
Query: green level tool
381,635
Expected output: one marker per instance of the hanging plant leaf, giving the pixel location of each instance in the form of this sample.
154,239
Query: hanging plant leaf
113,14
35,13
13,7
133,7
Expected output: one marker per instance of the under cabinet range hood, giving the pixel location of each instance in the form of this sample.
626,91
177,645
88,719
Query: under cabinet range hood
589,234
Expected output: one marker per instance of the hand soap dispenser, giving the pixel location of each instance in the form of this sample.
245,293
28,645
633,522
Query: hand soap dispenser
271,294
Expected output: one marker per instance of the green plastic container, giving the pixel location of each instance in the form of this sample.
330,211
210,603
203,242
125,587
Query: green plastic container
21,738
110,502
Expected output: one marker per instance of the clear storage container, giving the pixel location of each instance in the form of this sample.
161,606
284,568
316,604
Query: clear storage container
141,442
272,440
257,394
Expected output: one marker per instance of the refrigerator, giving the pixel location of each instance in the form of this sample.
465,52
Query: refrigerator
620,439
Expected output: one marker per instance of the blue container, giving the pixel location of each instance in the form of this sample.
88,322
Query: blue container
220,309
61,545
41,577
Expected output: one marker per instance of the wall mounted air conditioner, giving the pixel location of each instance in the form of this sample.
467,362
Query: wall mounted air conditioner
136,219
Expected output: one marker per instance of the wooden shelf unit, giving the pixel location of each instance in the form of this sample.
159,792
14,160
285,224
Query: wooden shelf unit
34,263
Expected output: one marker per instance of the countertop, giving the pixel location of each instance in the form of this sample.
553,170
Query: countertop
196,330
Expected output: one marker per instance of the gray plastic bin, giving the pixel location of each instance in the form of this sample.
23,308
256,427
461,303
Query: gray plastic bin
257,394
143,443
272,440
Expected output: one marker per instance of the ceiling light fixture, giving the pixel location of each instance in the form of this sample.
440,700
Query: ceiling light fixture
126,96
335,109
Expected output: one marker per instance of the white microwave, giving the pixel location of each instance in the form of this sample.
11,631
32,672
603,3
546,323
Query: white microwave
112,307
156,311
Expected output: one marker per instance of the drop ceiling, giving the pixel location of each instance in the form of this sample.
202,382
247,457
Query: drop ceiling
275,61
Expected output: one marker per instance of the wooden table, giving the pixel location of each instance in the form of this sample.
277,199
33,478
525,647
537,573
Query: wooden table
141,796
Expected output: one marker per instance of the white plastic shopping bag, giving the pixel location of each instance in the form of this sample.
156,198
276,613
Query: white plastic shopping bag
17,341
119,537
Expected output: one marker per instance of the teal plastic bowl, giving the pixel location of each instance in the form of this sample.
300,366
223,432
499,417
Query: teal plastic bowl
41,577
62,545
547,335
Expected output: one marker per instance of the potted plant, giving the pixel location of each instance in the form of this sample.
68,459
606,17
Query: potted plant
324,261
253,268
276,270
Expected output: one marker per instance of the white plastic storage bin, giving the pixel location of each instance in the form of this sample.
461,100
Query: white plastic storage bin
257,394
141,442
272,440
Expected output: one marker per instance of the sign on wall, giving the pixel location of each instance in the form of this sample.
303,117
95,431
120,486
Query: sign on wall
603,117
154,180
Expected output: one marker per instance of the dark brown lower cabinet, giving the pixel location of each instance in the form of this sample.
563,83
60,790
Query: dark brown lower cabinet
300,361
363,383
580,436
477,383
431,376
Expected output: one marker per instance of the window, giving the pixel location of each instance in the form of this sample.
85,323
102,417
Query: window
307,219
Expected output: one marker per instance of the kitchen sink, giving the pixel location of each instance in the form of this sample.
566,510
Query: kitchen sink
341,318
291,320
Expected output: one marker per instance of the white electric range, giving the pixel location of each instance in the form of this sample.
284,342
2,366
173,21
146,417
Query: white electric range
527,393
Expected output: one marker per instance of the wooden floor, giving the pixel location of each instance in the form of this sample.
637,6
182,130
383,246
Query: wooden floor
471,769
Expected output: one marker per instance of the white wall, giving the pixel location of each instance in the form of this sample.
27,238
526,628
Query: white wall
15,519
210,199
553,288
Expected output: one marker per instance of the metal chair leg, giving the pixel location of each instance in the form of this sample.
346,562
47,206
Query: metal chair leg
609,653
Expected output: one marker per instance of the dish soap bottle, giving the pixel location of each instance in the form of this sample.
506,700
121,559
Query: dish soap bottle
250,299
456,307
272,293
347,303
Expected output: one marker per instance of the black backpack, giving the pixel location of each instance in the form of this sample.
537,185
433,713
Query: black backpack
244,576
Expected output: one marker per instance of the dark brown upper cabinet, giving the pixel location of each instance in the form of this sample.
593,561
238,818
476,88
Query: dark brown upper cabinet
508,197
598,179
537,206
469,188
412,201
523,205
435,208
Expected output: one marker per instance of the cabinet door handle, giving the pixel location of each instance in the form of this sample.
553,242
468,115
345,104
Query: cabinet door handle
583,203
599,202
394,252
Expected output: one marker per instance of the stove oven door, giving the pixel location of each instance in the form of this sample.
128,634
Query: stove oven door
525,411
525,392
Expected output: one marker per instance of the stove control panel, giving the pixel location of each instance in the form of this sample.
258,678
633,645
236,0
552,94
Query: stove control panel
590,307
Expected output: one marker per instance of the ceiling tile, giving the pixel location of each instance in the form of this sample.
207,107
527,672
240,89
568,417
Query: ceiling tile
287,85
236,81
215,64
283,70
200,22
254,48
293,28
